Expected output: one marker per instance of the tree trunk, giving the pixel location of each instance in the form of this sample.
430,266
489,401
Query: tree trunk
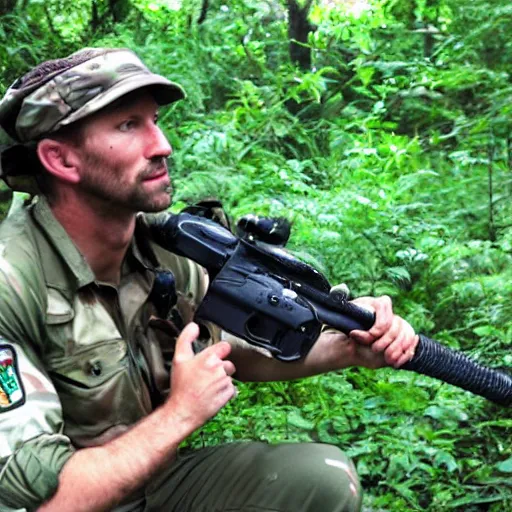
299,28
204,10
428,45
119,9
95,18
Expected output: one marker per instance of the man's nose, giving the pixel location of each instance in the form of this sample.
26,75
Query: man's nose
158,145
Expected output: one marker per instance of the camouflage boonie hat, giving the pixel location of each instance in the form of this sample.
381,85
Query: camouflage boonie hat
30,112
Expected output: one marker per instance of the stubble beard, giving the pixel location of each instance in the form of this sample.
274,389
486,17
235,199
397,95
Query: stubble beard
104,182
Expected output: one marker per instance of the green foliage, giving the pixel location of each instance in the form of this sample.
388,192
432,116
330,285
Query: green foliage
381,156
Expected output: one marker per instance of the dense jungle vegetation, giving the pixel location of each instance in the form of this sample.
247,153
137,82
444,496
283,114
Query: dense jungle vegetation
382,129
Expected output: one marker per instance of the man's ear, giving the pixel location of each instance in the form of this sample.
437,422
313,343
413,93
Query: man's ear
60,159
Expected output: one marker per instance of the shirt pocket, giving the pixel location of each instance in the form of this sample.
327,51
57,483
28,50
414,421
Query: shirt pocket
89,364
97,390
92,366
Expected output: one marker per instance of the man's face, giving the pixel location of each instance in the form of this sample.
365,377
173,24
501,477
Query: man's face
123,157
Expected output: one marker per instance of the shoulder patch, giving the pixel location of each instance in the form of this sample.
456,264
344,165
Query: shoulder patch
12,393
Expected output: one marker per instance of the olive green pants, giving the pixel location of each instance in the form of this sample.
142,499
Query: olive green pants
255,477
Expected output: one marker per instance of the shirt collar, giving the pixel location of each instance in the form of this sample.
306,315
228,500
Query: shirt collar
56,235
76,267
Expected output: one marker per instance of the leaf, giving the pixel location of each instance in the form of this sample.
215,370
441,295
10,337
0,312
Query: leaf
484,330
505,466
443,458
365,74
399,275
295,419
445,413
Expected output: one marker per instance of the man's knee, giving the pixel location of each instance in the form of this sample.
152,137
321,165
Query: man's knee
338,477
254,476
318,477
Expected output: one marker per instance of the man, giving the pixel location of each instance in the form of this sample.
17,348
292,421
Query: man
94,416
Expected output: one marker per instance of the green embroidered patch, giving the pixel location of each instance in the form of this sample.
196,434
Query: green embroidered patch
12,394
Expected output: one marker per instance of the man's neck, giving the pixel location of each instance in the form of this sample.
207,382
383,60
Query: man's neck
101,234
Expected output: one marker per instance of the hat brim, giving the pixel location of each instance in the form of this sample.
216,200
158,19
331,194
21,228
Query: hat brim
164,91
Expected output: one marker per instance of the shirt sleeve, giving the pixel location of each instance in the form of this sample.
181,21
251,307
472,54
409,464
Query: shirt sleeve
33,448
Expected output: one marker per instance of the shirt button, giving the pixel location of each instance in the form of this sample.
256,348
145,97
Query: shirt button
95,368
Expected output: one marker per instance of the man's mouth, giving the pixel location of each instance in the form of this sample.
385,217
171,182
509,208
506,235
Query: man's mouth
155,174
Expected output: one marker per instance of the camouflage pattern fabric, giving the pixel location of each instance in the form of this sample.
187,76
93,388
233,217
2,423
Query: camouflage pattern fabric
92,359
71,95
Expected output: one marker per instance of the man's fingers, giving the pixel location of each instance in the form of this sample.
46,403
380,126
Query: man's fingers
215,352
395,350
183,350
226,394
383,309
221,349
402,360
365,303
402,349
389,337
201,384
383,316
229,367
408,351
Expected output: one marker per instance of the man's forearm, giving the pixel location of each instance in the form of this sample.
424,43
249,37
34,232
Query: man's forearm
390,342
96,479
332,351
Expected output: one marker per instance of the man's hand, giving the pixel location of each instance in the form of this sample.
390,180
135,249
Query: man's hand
99,478
201,384
390,342
390,335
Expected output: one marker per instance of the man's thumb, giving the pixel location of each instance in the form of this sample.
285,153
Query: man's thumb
183,350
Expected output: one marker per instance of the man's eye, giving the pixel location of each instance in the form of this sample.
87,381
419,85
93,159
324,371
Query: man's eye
127,125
